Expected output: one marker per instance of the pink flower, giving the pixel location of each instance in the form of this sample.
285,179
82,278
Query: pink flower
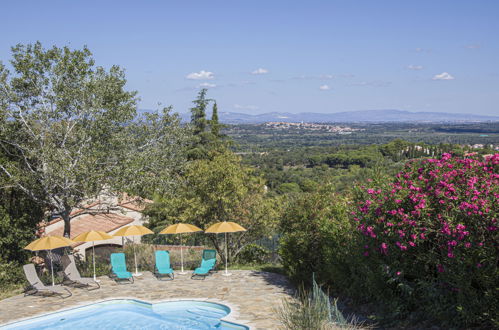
440,268
398,273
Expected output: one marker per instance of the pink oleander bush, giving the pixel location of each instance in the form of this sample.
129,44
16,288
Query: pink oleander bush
429,239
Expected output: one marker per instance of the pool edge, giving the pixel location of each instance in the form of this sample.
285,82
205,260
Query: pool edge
230,317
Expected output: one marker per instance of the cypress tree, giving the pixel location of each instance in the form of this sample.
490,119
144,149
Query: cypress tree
198,112
215,126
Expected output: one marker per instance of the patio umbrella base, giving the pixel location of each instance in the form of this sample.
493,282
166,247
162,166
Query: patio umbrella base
182,273
226,274
137,274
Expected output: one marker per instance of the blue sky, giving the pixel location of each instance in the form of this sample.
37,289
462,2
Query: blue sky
286,56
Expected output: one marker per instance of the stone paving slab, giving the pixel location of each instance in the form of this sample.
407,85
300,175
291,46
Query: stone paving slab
251,295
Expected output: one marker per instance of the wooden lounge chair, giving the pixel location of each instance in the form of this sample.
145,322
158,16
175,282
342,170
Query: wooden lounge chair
37,287
72,275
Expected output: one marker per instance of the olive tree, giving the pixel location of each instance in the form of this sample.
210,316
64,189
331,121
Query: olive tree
68,123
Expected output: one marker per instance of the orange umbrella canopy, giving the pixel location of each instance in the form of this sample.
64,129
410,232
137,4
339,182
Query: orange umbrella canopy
225,227
133,230
180,228
91,236
49,243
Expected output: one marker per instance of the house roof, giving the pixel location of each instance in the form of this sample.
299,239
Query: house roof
106,222
134,203
75,212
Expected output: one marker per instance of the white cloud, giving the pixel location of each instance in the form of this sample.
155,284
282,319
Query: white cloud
375,83
201,75
324,87
246,107
260,71
443,76
207,85
472,46
311,77
423,50
415,67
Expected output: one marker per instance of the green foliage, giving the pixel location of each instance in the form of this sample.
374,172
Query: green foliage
214,123
69,128
253,254
217,189
61,115
312,309
316,235
430,235
203,139
11,273
19,216
198,113
420,248
289,187
154,155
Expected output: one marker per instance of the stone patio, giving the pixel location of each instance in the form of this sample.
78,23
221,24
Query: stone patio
252,296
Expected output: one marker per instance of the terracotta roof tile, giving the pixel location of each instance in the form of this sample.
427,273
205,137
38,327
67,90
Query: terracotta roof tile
103,221
135,204
75,212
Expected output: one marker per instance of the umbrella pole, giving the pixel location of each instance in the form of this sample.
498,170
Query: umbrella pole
93,259
182,256
135,258
52,267
226,272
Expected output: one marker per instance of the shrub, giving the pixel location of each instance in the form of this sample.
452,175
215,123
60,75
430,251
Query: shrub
316,234
429,240
312,309
11,273
253,254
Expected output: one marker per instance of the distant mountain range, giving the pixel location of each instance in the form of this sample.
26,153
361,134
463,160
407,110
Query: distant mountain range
366,116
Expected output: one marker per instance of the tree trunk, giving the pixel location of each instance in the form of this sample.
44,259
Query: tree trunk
67,224
220,251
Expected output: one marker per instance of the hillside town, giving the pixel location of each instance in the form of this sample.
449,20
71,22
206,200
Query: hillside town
313,127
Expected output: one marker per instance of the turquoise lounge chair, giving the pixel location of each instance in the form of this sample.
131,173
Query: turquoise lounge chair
163,267
118,268
207,264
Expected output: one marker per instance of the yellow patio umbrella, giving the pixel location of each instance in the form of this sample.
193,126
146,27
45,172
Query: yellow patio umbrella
180,228
134,230
225,227
92,236
49,243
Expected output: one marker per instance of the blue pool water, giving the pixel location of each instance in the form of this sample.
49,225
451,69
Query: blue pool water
134,314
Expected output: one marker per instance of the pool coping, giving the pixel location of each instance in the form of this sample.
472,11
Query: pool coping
231,317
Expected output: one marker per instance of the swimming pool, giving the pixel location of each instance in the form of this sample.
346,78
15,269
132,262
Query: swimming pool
135,314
